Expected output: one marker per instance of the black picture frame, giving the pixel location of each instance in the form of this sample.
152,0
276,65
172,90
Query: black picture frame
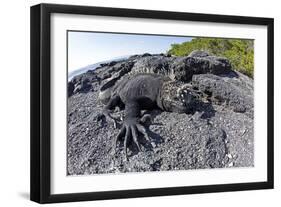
41,97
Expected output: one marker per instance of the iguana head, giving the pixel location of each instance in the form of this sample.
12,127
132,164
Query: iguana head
176,96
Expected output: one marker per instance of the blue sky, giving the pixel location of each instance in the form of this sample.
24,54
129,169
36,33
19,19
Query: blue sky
85,48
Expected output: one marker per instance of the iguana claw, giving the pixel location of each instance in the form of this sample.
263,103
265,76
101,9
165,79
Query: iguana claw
130,131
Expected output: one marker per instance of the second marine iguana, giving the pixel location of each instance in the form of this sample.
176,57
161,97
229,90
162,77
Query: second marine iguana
146,91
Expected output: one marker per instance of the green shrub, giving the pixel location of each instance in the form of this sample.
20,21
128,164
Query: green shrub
239,52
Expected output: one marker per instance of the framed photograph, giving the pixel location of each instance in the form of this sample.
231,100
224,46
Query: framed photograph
133,103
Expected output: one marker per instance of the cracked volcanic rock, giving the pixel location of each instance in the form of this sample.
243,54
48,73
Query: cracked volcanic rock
220,135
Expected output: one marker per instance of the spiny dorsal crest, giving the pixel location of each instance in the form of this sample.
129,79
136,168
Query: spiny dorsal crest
168,72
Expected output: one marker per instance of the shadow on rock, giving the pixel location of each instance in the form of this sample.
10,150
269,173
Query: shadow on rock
231,74
207,109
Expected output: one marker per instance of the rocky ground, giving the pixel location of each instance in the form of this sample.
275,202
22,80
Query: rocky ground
214,137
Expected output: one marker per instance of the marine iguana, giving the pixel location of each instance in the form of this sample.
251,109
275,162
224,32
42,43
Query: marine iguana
146,91
154,82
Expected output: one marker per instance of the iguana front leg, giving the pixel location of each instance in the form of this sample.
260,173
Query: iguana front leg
131,127
113,102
